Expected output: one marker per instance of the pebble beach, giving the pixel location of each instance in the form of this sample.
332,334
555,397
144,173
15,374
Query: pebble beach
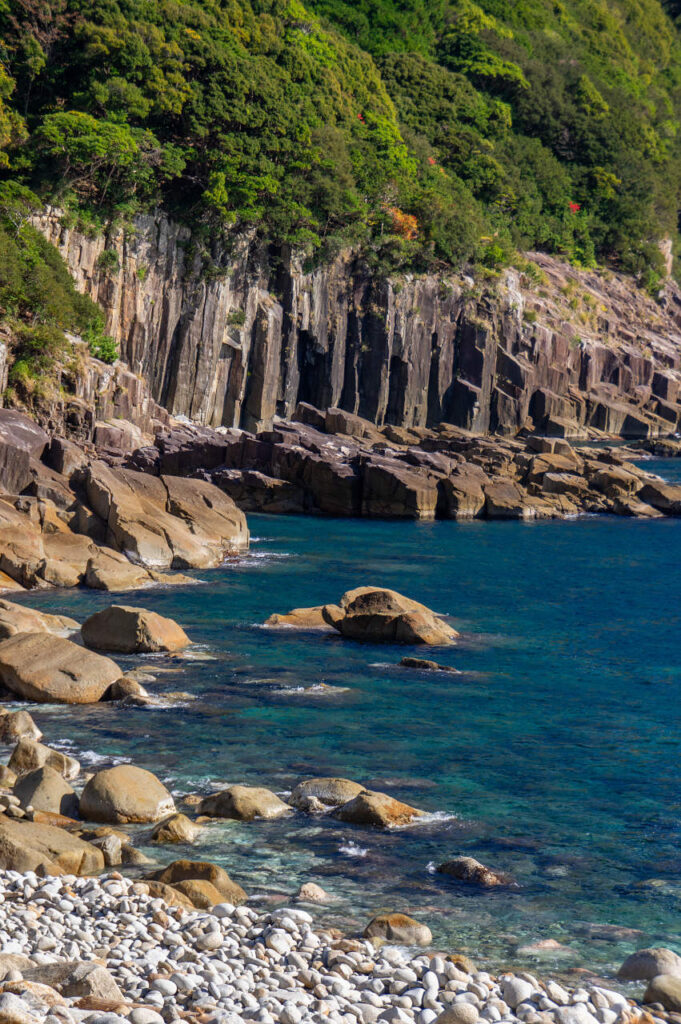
103,951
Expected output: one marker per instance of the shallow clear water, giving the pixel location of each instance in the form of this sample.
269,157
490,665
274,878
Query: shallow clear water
555,753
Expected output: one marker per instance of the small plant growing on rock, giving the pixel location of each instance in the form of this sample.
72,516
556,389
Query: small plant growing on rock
108,261
236,318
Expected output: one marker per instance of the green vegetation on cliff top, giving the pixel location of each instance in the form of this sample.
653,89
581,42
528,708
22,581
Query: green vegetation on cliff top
429,132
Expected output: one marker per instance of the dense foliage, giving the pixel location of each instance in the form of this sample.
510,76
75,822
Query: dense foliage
431,132
38,299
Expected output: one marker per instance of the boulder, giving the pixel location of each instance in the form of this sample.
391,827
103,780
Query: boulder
181,870
125,687
28,846
424,665
663,496
310,892
505,499
378,810
379,615
17,725
400,929
244,803
28,755
301,618
109,570
20,439
17,618
201,893
125,794
170,895
468,869
178,828
76,979
646,964
49,669
132,631
46,790
8,778
461,496
459,1013
331,792
666,990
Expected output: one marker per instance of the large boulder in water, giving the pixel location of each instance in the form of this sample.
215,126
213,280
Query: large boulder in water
183,870
330,792
645,964
46,790
17,618
300,618
28,755
125,794
468,869
132,631
378,810
28,846
244,803
49,669
379,615
666,990
17,725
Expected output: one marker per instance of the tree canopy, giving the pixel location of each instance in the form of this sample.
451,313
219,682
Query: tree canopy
427,132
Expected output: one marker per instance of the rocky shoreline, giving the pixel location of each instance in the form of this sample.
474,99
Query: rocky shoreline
107,950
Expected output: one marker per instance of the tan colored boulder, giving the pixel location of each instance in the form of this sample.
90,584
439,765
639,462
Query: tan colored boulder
49,669
125,794
505,499
301,618
379,615
663,496
463,496
310,892
378,810
468,869
77,979
168,522
28,755
46,790
8,778
181,870
178,828
28,846
171,895
331,792
400,929
646,964
17,618
244,803
666,990
66,558
17,725
109,570
125,687
202,894
132,631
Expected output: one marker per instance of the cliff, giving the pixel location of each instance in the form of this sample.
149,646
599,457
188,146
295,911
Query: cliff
557,350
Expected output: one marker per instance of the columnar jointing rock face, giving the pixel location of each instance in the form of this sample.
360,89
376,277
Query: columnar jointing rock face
238,349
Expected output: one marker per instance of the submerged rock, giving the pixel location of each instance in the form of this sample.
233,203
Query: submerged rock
125,794
45,668
468,869
132,631
378,810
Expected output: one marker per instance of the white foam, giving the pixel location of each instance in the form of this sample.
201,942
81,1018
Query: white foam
351,849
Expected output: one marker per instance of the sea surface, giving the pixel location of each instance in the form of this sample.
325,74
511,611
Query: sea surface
555,754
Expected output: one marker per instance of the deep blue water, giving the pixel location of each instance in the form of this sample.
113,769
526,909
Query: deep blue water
556,752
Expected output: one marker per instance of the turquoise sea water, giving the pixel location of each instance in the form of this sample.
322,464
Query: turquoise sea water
553,756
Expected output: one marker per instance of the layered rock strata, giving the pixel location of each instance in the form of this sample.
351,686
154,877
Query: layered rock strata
246,335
